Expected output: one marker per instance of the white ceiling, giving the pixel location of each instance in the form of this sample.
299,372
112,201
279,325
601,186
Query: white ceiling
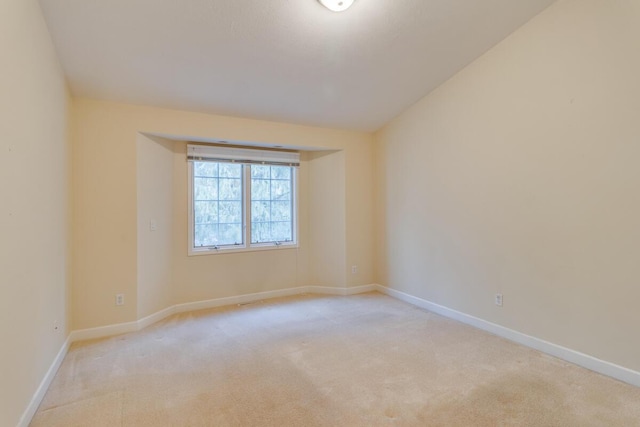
285,60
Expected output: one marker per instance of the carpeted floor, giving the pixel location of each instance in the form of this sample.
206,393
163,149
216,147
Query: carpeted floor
365,360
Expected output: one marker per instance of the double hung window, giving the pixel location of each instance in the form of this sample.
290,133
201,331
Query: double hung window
241,198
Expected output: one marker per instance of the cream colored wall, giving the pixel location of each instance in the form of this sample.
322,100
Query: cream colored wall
520,175
106,212
321,234
34,175
155,203
359,218
327,215
204,277
104,216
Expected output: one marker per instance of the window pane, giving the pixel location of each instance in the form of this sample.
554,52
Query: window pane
260,189
260,232
280,211
278,172
260,171
230,170
260,211
217,204
205,188
205,212
271,204
231,233
205,169
230,189
230,212
204,235
281,190
281,231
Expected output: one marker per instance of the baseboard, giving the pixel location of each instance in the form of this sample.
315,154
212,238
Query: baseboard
103,331
239,299
28,414
155,317
123,328
247,298
353,290
586,361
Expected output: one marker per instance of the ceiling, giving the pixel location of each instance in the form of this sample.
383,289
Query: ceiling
285,60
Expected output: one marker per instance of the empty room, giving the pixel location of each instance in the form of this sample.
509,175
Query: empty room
320,213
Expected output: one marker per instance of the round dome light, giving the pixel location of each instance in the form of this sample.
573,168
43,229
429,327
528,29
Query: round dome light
337,5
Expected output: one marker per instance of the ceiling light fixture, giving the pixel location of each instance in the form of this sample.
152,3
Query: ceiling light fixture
337,5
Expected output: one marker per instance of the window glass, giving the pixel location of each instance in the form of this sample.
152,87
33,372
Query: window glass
217,204
271,204
220,208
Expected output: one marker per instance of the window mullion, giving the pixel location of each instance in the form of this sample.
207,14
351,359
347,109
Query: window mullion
294,203
218,201
247,205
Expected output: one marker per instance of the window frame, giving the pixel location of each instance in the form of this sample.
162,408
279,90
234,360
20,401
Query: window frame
247,246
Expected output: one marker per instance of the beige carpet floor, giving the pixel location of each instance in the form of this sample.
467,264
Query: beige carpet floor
365,360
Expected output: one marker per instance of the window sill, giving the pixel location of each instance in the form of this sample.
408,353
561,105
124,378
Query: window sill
232,250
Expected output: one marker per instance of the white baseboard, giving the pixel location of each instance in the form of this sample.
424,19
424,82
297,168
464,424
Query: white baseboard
327,290
103,331
601,366
28,414
122,328
155,317
240,299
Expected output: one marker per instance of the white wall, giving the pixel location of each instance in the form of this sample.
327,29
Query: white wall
35,205
520,175
110,212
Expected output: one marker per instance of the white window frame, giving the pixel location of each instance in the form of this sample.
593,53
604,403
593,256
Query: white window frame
247,246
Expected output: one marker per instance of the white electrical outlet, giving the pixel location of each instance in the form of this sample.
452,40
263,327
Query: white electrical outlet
56,326
153,225
354,269
119,299
499,300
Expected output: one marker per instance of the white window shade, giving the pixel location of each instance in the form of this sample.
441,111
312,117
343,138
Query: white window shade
215,153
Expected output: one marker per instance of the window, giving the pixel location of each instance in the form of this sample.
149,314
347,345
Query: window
241,199
217,204
271,204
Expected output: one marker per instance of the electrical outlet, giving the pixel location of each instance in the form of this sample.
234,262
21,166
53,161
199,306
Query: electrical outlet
56,326
153,225
119,299
354,269
499,300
